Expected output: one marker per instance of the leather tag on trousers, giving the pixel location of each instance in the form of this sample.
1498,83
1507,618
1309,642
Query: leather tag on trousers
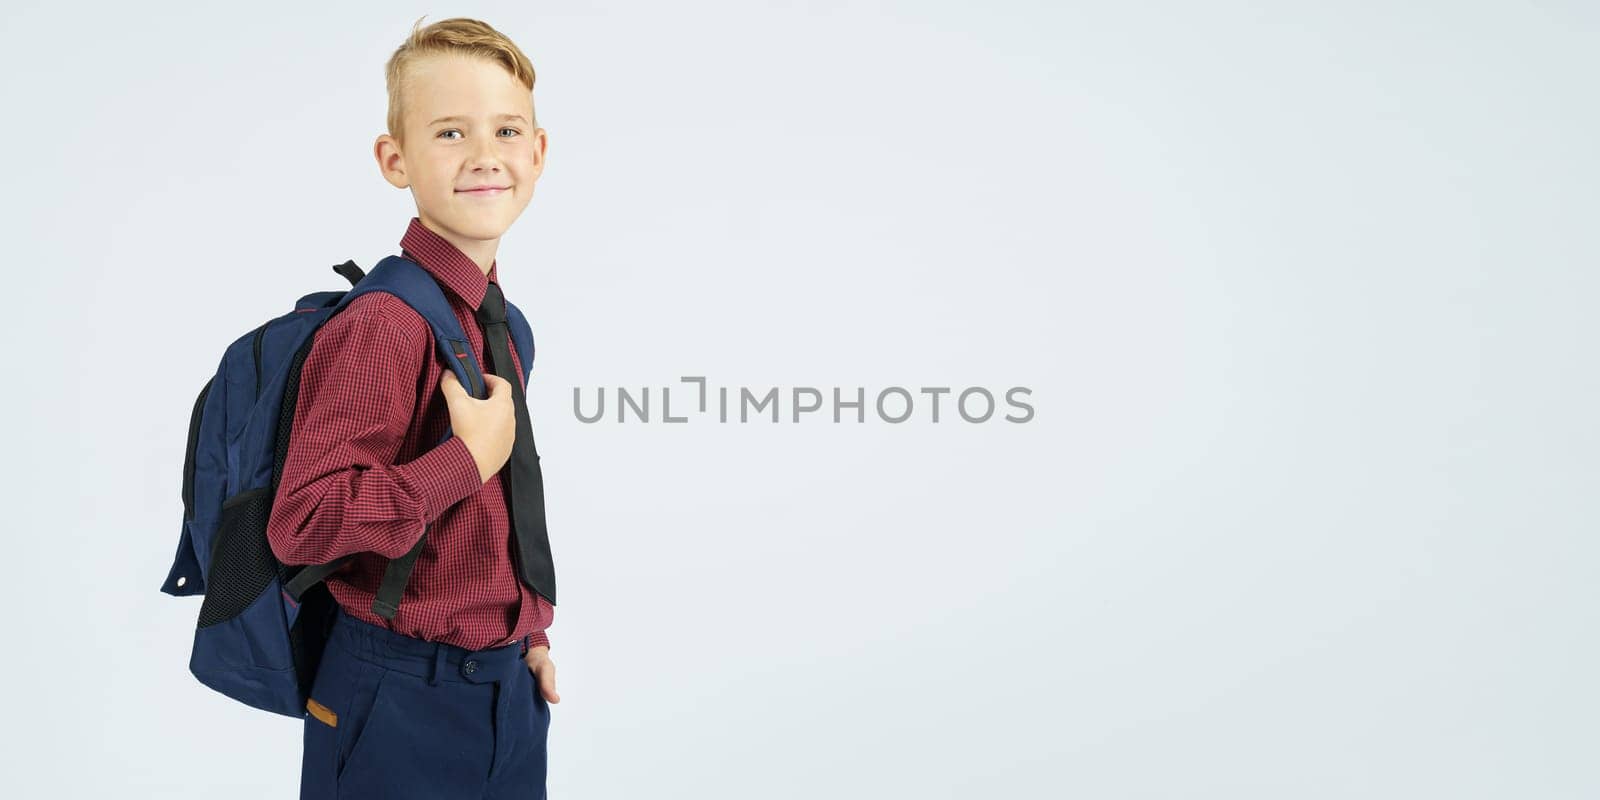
322,712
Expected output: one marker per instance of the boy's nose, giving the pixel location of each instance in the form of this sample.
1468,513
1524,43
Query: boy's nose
483,154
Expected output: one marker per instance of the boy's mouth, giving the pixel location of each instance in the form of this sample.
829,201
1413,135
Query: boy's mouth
483,191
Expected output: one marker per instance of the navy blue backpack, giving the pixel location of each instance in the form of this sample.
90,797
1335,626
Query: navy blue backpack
263,624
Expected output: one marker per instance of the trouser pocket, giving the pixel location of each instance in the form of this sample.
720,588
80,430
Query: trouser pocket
365,720
338,716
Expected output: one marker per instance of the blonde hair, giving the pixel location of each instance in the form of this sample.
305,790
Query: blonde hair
460,36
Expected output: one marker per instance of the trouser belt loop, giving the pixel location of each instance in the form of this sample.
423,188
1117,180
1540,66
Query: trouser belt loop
438,664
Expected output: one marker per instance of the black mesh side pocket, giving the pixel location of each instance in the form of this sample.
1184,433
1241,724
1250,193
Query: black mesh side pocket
242,564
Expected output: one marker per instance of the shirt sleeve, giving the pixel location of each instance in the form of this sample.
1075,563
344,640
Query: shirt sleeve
540,638
340,491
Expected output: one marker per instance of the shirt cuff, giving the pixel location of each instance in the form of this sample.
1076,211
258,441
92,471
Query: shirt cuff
441,477
538,639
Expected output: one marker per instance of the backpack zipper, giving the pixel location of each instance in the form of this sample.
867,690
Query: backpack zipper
188,458
256,351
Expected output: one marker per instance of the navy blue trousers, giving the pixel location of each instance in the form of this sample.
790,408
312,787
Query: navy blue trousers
395,717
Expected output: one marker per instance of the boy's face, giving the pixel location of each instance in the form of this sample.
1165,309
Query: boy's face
466,125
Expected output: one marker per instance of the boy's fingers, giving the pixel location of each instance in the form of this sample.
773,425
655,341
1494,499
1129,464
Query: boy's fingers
547,682
544,675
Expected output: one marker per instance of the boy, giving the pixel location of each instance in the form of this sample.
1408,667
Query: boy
449,698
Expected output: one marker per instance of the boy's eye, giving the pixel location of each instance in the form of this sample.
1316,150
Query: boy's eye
514,131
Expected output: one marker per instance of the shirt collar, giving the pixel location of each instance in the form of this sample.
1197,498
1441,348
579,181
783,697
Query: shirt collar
447,263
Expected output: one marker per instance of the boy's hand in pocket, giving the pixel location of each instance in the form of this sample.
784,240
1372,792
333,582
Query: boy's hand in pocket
544,672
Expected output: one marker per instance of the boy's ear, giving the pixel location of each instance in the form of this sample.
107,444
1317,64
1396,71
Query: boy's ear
541,142
391,162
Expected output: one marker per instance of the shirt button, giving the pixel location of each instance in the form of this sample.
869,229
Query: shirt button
470,667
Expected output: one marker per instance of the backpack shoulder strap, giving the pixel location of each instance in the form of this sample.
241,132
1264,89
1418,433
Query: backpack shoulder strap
408,281
522,337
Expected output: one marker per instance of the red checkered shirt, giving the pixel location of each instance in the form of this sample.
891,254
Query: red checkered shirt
363,475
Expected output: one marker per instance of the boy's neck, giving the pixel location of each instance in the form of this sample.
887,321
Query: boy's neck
481,251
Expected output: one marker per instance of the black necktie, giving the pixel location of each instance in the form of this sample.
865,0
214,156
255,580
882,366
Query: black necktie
523,480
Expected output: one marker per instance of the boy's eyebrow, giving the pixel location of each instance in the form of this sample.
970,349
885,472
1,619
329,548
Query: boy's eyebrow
457,118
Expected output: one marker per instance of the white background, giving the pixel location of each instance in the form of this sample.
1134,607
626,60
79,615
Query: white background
1304,293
